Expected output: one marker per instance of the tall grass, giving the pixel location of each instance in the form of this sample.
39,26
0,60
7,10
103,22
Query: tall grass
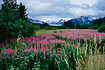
87,58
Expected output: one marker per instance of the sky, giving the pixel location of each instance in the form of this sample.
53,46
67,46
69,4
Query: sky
54,10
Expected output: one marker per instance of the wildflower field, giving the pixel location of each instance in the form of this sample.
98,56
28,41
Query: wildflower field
70,49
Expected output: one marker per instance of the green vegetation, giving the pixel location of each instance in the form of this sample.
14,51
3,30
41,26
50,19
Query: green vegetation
98,24
13,21
43,31
69,24
63,49
101,28
70,55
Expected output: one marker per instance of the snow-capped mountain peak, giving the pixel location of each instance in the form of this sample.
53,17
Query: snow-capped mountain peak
56,23
35,21
61,20
82,20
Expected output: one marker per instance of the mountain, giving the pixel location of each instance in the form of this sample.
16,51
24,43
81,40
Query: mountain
78,20
36,21
58,23
82,20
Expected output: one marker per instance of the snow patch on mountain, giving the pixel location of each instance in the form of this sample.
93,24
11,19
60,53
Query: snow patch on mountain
35,21
56,23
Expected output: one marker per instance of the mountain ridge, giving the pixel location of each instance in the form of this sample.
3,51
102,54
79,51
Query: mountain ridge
78,20
82,20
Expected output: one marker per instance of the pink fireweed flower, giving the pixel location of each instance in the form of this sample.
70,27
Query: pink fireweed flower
16,51
27,56
3,52
54,52
36,57
47,43
44,57
27,50
26,64
23,54
58,51
58,57
68,57
10,51
21,47
68,46
65,55
41,48
50,55
42,45
2,44
44,54
61,57
5,57
55,62
50,48
3,47
12,56
76,46
34,49
39,61
37,53
34,46
31,48
47,52
46,48
6,45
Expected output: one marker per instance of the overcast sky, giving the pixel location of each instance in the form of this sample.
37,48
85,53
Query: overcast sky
63,9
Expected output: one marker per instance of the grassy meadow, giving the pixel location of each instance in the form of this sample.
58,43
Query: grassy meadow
43,31
61,49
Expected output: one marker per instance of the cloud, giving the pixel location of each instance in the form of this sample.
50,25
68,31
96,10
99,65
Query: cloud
65,9
51,18
79,11
82,2
100,5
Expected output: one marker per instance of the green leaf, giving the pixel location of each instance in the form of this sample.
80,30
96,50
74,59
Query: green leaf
23,45
18,40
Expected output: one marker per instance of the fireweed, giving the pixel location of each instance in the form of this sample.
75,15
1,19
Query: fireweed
65,50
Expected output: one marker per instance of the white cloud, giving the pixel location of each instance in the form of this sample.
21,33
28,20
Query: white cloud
80,11
63,9
37,5
82,2
50,18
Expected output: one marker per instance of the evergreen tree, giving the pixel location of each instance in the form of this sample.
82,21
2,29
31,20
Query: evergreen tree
65,24
12,4
45,24
22,11
73,25
70,24
97,22
12,23
9,11
78,26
